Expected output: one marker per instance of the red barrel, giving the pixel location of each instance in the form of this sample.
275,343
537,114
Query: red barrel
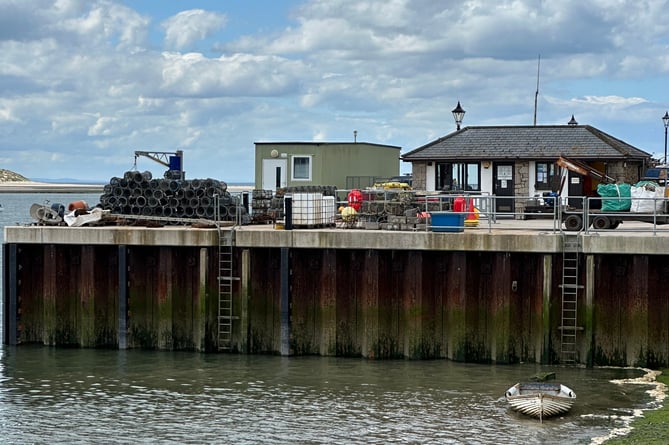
355,199
459,204
77,205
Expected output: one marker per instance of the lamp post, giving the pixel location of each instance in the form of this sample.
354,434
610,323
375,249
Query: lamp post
459,113
665,119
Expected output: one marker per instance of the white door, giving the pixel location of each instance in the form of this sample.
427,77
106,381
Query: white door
273,174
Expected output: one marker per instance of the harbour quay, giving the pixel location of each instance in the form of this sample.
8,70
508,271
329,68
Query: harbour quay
513,291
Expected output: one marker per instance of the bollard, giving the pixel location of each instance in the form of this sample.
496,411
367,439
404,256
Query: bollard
288,212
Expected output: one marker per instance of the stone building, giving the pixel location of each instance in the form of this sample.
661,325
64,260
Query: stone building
521,161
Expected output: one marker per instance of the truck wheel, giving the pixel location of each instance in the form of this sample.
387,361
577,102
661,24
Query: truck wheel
601,223
573,223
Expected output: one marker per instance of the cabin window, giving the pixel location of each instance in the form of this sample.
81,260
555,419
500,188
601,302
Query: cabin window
546,175
465,176
302,168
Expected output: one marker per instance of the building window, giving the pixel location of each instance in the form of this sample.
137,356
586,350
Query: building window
302,168
546,176
458,176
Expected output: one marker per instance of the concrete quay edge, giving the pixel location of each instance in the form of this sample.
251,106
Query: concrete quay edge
262,236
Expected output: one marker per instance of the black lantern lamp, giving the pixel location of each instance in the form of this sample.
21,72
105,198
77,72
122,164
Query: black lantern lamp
458,115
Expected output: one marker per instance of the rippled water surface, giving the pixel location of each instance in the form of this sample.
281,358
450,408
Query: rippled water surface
102,396
50,395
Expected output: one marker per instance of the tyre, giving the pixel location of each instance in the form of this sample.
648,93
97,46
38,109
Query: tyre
601,222
573,223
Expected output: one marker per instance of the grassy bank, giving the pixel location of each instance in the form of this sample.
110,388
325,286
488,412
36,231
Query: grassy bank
652,428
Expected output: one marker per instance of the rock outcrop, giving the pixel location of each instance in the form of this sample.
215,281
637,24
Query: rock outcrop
10,176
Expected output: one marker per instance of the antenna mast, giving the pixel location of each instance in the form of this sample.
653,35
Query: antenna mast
536,94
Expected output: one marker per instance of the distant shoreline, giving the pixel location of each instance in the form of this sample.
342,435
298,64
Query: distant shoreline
47,187
51,187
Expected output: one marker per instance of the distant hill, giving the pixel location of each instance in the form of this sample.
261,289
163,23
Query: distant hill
10,176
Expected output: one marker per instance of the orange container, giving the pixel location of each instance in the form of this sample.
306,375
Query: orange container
77,205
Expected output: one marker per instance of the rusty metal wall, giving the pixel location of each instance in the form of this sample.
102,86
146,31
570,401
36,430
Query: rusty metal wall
467,306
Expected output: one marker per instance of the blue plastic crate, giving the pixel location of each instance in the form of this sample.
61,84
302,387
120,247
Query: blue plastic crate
448,222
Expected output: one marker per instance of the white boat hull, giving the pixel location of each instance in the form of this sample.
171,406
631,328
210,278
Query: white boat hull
540,400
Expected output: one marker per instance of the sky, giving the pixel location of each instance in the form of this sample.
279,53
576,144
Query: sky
85,83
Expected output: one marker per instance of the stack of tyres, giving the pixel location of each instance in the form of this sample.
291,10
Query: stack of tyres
139,194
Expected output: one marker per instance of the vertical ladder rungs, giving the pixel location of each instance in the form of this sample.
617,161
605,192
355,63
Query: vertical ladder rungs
571,247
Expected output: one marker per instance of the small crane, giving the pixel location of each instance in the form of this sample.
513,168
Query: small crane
173,160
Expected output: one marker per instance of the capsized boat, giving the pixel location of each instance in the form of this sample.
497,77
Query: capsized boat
540,399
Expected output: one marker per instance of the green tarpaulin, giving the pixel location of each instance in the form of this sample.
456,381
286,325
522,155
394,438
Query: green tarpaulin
615,197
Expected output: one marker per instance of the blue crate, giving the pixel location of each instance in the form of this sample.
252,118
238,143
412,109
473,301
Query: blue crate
448,222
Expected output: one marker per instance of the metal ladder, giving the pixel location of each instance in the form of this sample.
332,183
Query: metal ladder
226,241
571,247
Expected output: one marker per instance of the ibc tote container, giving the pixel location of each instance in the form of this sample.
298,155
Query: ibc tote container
328,213
306,207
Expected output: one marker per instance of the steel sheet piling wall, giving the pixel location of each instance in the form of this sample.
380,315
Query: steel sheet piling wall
415,304
111,296
413,343
370,301
658,314
122,302
542,323
455,306
163,298
502,292
168,292
11,313
86,331
264,311
51,317
285,303
30,291
327,318
349,310
476,306
631,328
199,291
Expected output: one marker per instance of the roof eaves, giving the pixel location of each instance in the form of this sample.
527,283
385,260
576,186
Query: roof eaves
625,149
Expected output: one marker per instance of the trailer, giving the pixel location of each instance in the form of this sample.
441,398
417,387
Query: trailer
599,220
575,219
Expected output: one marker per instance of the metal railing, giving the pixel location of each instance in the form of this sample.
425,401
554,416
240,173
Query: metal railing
644,215
490,212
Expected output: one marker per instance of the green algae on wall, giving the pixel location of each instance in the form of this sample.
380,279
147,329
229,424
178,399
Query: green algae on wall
476,306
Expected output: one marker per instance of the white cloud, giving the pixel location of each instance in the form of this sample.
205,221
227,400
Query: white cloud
193,74
82,74
7,115
187,27
102,126
611,100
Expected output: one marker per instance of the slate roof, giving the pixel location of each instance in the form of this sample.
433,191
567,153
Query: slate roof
526,142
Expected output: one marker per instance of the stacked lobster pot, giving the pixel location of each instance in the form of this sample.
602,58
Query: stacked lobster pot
137,193
276,203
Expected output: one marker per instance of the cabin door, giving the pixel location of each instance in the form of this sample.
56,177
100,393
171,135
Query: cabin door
503,187
575,190
273,174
